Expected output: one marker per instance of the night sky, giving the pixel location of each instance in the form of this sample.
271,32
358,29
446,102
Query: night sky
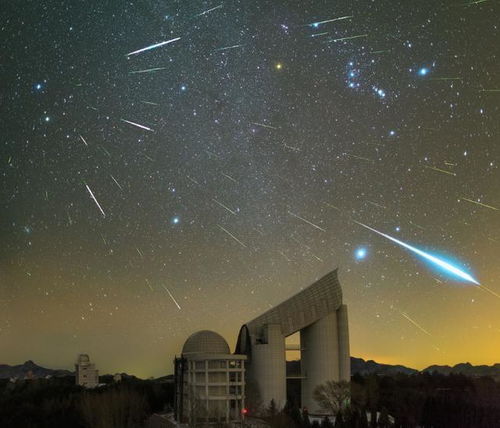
195,184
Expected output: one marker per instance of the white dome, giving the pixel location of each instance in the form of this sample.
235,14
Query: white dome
83,358
205,342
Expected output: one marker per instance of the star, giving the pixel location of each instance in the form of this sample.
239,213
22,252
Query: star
360,253
175,220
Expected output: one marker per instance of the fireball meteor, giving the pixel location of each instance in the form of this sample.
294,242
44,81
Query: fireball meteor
435,260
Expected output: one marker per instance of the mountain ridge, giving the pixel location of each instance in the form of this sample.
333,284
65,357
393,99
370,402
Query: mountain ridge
358,366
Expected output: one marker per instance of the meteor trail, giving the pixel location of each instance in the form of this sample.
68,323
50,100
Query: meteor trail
440,170
317,24
435,260
149,285
192,180
263,125
118,184
223,206
232,236
147,70
347,38
479,203
306,221
230,178
137,124
95,200
172,297
415,323
209,10
377,205
157,45
83,139
150,103
225,48
482,287
319,34
359,157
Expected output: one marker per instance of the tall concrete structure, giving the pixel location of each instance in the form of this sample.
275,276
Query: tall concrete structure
319,315
85,372
209,382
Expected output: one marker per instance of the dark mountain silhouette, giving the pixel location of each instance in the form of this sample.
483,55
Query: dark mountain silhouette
30,369
358,365
466,369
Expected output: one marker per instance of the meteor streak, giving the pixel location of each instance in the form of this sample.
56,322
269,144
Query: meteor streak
377,205
230,178
306,221
319,34
83,139
347,38
223,206
147,70
482,287
479,203
137,125
118,184
172,297
359,157
435,260
264,125
440,170
209,10
225,48
317,24
157,45
232,236
95,200
415,324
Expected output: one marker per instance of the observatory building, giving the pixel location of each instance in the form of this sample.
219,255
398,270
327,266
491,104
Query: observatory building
317,312
85,372
210,381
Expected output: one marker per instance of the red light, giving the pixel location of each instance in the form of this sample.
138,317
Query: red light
244,411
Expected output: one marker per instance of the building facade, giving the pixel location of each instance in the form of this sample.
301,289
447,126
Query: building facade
317,312
85,372
209,381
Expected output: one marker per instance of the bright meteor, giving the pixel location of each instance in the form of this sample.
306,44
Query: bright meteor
435,260
157,45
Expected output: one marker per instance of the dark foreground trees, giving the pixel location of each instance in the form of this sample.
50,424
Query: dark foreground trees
58,402
410,401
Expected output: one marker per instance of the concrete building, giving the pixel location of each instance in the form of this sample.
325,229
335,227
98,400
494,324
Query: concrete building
318,313
209,382
85,372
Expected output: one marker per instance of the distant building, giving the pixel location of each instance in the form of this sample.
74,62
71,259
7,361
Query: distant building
85,372
209,381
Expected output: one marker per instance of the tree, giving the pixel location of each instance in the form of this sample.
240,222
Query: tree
326,423
332,396
383,420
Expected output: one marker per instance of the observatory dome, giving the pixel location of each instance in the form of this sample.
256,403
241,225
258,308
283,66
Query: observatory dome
205,342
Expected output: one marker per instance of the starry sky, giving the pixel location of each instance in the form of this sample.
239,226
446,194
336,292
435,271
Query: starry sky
196,183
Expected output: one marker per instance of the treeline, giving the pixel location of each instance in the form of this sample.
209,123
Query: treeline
409,401
57,402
